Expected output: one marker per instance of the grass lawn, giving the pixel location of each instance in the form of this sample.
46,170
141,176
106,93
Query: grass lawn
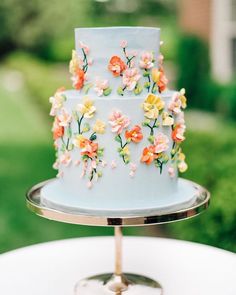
26,156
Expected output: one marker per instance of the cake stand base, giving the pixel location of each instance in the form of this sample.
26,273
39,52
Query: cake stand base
127,284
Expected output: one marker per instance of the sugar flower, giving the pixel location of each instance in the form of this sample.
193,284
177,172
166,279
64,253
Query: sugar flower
167,120
178,101
159,78
152,105
64,118
130,78
65,158
75,63
79,141
149,155
87,109
99,127
78,79
123,43
118,122
57,129
116,66
100,86
178,133
182,166
171,171
57,101
84,47
161,143
135,134
113,164
147,60
89,148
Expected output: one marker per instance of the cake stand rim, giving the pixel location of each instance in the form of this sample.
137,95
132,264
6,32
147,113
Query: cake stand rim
81,218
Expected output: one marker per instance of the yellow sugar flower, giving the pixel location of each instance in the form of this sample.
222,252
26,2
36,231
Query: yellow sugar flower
152,105
167,120
181,156
78,140
182,166
126,150
99,127
87,109
183,98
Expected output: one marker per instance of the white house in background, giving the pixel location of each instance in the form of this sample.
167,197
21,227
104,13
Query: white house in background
215,22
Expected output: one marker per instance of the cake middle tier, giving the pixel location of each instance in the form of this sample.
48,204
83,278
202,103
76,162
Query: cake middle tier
112,148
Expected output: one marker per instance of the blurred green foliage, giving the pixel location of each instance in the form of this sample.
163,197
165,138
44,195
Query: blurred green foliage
46,27
194,75
212,162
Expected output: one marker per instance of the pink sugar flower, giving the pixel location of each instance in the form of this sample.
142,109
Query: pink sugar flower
123,43
130,78
64,118
146,61
94,164
89,184
100,86
113,164
161,143
175,104
60,174
65,158
131,174
118,122
104,163
171,172
77,163
133,167
84,47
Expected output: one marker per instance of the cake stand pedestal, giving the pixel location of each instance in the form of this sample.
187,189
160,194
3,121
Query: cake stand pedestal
117,283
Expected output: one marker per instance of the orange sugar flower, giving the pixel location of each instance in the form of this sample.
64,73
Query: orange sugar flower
79,79
89,148
162,83
58,131
178,133
116,66
149,155
134,134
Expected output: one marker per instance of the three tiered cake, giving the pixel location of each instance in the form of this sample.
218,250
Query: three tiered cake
118,134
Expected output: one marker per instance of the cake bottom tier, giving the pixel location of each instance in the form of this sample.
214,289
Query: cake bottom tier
54,195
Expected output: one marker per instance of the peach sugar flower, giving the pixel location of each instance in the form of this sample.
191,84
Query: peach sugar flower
118,122
57,101
64,118
100,86
116,66
130,78
89,148
178,101
178,133
135,134
78,79
99,127
149,155
161,143
146,61
57,129
65,158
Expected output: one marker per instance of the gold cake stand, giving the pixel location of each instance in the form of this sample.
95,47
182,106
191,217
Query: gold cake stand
116,283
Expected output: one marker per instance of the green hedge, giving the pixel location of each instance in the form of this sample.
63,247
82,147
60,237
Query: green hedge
212,162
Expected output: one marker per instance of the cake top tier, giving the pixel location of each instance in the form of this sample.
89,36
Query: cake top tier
116,59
